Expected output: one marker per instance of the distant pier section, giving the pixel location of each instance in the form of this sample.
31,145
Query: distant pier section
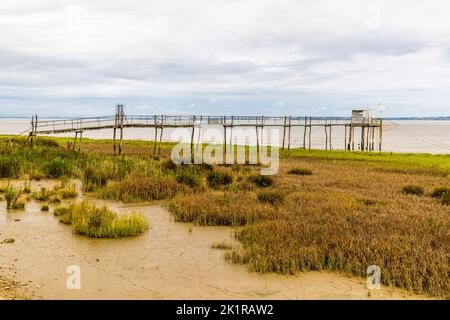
362,131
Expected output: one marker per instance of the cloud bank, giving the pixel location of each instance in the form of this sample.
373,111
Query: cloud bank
79,57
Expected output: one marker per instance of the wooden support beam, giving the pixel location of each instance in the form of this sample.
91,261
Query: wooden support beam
224,148
331,147
160,141
114,139
257,144
289,133
192,142
310,128
380,133
284,132
155,142
346,145
304,134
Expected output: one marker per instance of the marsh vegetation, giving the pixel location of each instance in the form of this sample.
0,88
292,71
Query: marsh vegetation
324,210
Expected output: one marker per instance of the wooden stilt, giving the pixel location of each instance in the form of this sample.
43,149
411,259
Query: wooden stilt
380,133
160,141
331,147
284,133
114,139
224,149
304,134
81,140
345,138
257,145
75,141
310,129
192,143
155,142
289,133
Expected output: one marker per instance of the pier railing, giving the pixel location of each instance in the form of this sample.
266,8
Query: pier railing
120,121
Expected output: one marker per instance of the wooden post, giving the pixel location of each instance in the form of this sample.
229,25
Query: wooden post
330,136
345,138
380,135
192,142
75,141
310,128
284,132
257,144
160,141
114,139
155,142
198,139
326,136
362,138
289,134
304,134
224,149
367,145
120,118
373,138
81,140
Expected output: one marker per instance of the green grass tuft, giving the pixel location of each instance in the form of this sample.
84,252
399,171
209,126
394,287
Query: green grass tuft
88,220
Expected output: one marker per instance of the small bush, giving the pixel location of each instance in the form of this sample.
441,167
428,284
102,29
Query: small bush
445,199
168,164
45,207
300,172
271,197
413,190
443,194
219,178
97,176
58,167
262,181
439,192
9,167
190,177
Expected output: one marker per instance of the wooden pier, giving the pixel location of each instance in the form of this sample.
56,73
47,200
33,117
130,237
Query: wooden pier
370,129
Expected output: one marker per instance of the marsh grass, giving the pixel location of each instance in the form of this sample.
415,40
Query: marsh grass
13,197
219,177
223,245
191,177
88,220
443,194
219,208
300,171
413,190
351,213
143,188
272,197
262,181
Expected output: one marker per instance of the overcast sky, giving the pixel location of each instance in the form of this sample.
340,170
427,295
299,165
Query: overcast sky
68,57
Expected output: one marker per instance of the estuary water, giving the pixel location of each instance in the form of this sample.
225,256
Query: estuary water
415,136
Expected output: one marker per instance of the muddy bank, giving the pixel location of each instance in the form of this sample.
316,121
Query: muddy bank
171,261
